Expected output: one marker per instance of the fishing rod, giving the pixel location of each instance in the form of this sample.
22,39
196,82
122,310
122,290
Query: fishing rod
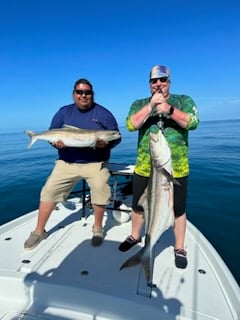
160,122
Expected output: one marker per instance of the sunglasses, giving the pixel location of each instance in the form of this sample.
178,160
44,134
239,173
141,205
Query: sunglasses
81,92
162,79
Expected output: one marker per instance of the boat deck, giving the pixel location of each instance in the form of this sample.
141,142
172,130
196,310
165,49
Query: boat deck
65,277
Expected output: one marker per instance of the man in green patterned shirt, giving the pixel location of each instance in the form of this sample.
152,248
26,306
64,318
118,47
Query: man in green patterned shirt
176,115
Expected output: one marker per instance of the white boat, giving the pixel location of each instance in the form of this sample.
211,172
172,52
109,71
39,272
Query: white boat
65,277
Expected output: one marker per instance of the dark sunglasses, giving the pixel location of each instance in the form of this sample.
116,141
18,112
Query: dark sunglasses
162,79
81,92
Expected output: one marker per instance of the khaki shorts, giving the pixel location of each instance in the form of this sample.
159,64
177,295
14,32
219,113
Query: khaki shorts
65,176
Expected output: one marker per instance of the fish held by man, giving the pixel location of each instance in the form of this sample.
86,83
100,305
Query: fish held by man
73,137
157,202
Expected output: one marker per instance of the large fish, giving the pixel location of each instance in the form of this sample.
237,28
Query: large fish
157,202
73,136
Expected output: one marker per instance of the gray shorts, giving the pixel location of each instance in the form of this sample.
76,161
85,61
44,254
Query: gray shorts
65,176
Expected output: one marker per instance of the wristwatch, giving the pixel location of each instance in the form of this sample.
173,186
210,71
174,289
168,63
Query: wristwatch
171,110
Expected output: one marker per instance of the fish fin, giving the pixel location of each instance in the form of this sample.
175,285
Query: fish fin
31,135
170,177
176,182
67,126
134,260
142,200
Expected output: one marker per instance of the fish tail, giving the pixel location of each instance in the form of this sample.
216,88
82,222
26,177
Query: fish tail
31,135
141,257
133,261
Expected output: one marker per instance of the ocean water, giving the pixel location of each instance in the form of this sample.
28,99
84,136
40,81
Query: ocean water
214,185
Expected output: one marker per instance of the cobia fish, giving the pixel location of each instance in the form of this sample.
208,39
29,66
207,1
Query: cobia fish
157,202
73,137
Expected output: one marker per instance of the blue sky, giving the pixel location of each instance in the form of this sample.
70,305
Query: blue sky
46,45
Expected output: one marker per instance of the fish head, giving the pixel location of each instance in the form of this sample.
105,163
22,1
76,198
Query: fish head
159,149
109,135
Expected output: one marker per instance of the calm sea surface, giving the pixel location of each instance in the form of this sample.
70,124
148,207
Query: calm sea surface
214,191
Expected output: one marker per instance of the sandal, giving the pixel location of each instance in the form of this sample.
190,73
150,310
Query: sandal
128,244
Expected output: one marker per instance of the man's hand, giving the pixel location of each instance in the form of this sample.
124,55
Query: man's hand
101,143
159,102
156,99
59,144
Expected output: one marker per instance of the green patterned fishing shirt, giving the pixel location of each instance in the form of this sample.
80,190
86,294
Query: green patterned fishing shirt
177,137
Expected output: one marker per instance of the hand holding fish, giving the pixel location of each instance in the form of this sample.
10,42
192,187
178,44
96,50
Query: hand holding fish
101,143
58,144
